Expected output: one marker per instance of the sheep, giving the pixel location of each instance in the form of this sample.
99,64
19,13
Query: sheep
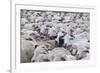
83,54
27,31
49,18
52,32
63,39
30,35
77,53
81,40
85,17
52,44
73,50
39,19
71,57
32,18
24,21
27,48
28,26
44,30
56,17
58,54
87,57
41,58
41,49
69,17
67,40
58,36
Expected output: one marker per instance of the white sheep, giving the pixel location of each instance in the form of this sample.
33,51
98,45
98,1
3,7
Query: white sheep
44,30
28,26
58,54
41,49
41,58
71,57
56,17
23,21
27,50
52,32
82,54
39,19
32,18
67,40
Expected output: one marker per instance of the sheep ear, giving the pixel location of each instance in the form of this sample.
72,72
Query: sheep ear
36,46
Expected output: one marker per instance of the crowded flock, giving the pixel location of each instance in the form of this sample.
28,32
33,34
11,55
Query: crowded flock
48,36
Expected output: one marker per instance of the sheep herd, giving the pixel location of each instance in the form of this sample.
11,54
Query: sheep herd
54,36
